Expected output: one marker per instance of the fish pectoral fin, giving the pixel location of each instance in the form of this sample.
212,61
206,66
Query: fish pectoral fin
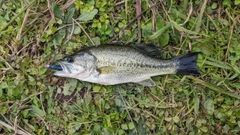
147,82
149,49
106,70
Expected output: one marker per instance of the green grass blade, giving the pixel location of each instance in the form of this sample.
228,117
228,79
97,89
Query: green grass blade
214,88
159,32
217,64
180,28
199,19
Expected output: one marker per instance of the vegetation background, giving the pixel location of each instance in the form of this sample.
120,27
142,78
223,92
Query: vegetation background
38,32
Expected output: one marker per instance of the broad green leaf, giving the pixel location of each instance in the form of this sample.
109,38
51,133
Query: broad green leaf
3,85
69,15
164,39
131,125
3,22
204,129
106,131
220,115
226,128
159,23
16,91
227,3
31,80
88,98
209,106
25,113
121,132
214,5
176,119
223,21
97,88
86,16
58,38
77,30
124,126
42,70
92,2
30,126
96,40
118,101
140,127
37,110
70,87
71,130
10,92
237,2
146,30
56,10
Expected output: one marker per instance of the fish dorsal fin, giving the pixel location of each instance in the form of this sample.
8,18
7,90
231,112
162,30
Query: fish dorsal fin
147,82
149,49
106,70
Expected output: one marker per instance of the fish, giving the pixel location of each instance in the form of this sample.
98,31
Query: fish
118,64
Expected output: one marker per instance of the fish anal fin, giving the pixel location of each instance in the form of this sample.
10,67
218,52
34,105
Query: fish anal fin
149,49
106,69
147,82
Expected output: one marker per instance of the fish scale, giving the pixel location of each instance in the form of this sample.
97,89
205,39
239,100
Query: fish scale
131,61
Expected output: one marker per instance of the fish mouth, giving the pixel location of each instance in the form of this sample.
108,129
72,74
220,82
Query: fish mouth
66,68
54,67
62,69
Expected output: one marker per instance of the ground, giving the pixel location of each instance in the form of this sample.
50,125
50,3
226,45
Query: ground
38,32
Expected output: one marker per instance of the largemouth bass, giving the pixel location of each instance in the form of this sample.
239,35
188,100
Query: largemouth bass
115,64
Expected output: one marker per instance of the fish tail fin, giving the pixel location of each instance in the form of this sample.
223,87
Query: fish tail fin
187,64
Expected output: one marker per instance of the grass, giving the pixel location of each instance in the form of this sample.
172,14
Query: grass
35,33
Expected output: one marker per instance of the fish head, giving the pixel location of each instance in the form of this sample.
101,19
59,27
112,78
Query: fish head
78,65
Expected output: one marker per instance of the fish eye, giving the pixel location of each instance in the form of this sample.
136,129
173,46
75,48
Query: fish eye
70,59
